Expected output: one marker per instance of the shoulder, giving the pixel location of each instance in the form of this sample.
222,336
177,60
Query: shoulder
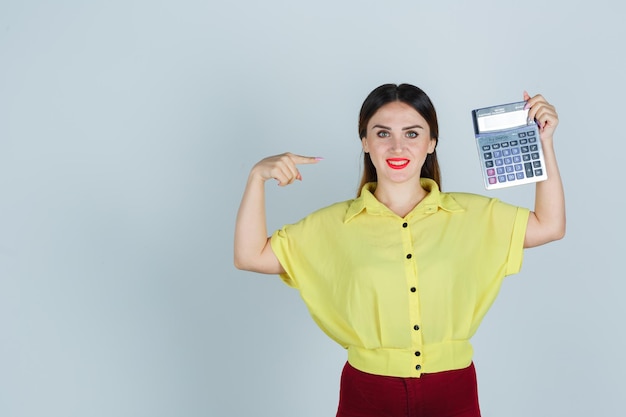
490,217
319,226
338,208
325,217
467,198
478,203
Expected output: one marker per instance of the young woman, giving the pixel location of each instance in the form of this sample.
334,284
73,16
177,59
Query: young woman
402,275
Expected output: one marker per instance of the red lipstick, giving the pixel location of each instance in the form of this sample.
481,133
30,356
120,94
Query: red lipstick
397,163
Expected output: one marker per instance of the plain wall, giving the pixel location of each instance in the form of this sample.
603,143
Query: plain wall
127,131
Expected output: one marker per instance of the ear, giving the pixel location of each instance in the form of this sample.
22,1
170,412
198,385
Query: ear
432,145
364,145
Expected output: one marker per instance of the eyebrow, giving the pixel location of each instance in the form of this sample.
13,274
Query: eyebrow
404,128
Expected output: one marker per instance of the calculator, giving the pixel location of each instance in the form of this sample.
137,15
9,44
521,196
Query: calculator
509,147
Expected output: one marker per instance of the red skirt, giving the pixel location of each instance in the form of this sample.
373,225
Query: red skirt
441,394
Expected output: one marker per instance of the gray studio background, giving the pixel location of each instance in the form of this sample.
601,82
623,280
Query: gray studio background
127,130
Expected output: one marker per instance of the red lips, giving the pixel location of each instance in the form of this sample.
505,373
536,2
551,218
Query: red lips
397,163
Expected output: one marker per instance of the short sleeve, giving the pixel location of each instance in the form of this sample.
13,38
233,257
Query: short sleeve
516,252
281,245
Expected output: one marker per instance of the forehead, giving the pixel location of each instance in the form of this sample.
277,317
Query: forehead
397,114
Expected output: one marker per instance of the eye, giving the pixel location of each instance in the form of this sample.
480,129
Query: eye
382,134
411,134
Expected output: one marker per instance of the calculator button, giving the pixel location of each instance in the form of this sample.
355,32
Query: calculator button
532,140
486,147
511,177
526,157
509,168
531,133
518,167
538,172
533,148
500,170
491,172
506,152
520,175
513,143
502,178
495,146
529,169
523,141
525,149
499,162
508,161
517,159
492,180
534,155
488,164
497,154
505,144
537,164
521,134
488,155
515,151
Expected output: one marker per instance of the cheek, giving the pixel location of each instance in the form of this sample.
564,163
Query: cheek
426,147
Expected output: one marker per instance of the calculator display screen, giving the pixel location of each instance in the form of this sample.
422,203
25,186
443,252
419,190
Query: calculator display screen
499,121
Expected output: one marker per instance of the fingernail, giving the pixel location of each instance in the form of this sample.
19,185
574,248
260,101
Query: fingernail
526,106
319,158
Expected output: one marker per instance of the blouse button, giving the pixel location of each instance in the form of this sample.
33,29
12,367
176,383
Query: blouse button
418,353
416,327
409,256
405,225
413,289
418,367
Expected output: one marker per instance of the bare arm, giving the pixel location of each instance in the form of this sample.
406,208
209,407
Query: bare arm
253,251
547,222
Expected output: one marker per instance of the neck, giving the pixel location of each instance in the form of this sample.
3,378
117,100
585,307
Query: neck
400,198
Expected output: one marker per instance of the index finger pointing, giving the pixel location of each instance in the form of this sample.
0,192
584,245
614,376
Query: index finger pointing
299,159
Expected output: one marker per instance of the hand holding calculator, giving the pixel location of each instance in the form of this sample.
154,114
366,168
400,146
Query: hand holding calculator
509,146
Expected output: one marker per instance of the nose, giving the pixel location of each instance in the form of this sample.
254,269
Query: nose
396,144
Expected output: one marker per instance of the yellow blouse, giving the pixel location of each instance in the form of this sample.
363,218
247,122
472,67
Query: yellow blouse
403,295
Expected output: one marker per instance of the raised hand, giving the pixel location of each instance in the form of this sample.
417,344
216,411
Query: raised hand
547,222
253,251
544,113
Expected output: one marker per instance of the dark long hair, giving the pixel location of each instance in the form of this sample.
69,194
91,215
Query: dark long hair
414,97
